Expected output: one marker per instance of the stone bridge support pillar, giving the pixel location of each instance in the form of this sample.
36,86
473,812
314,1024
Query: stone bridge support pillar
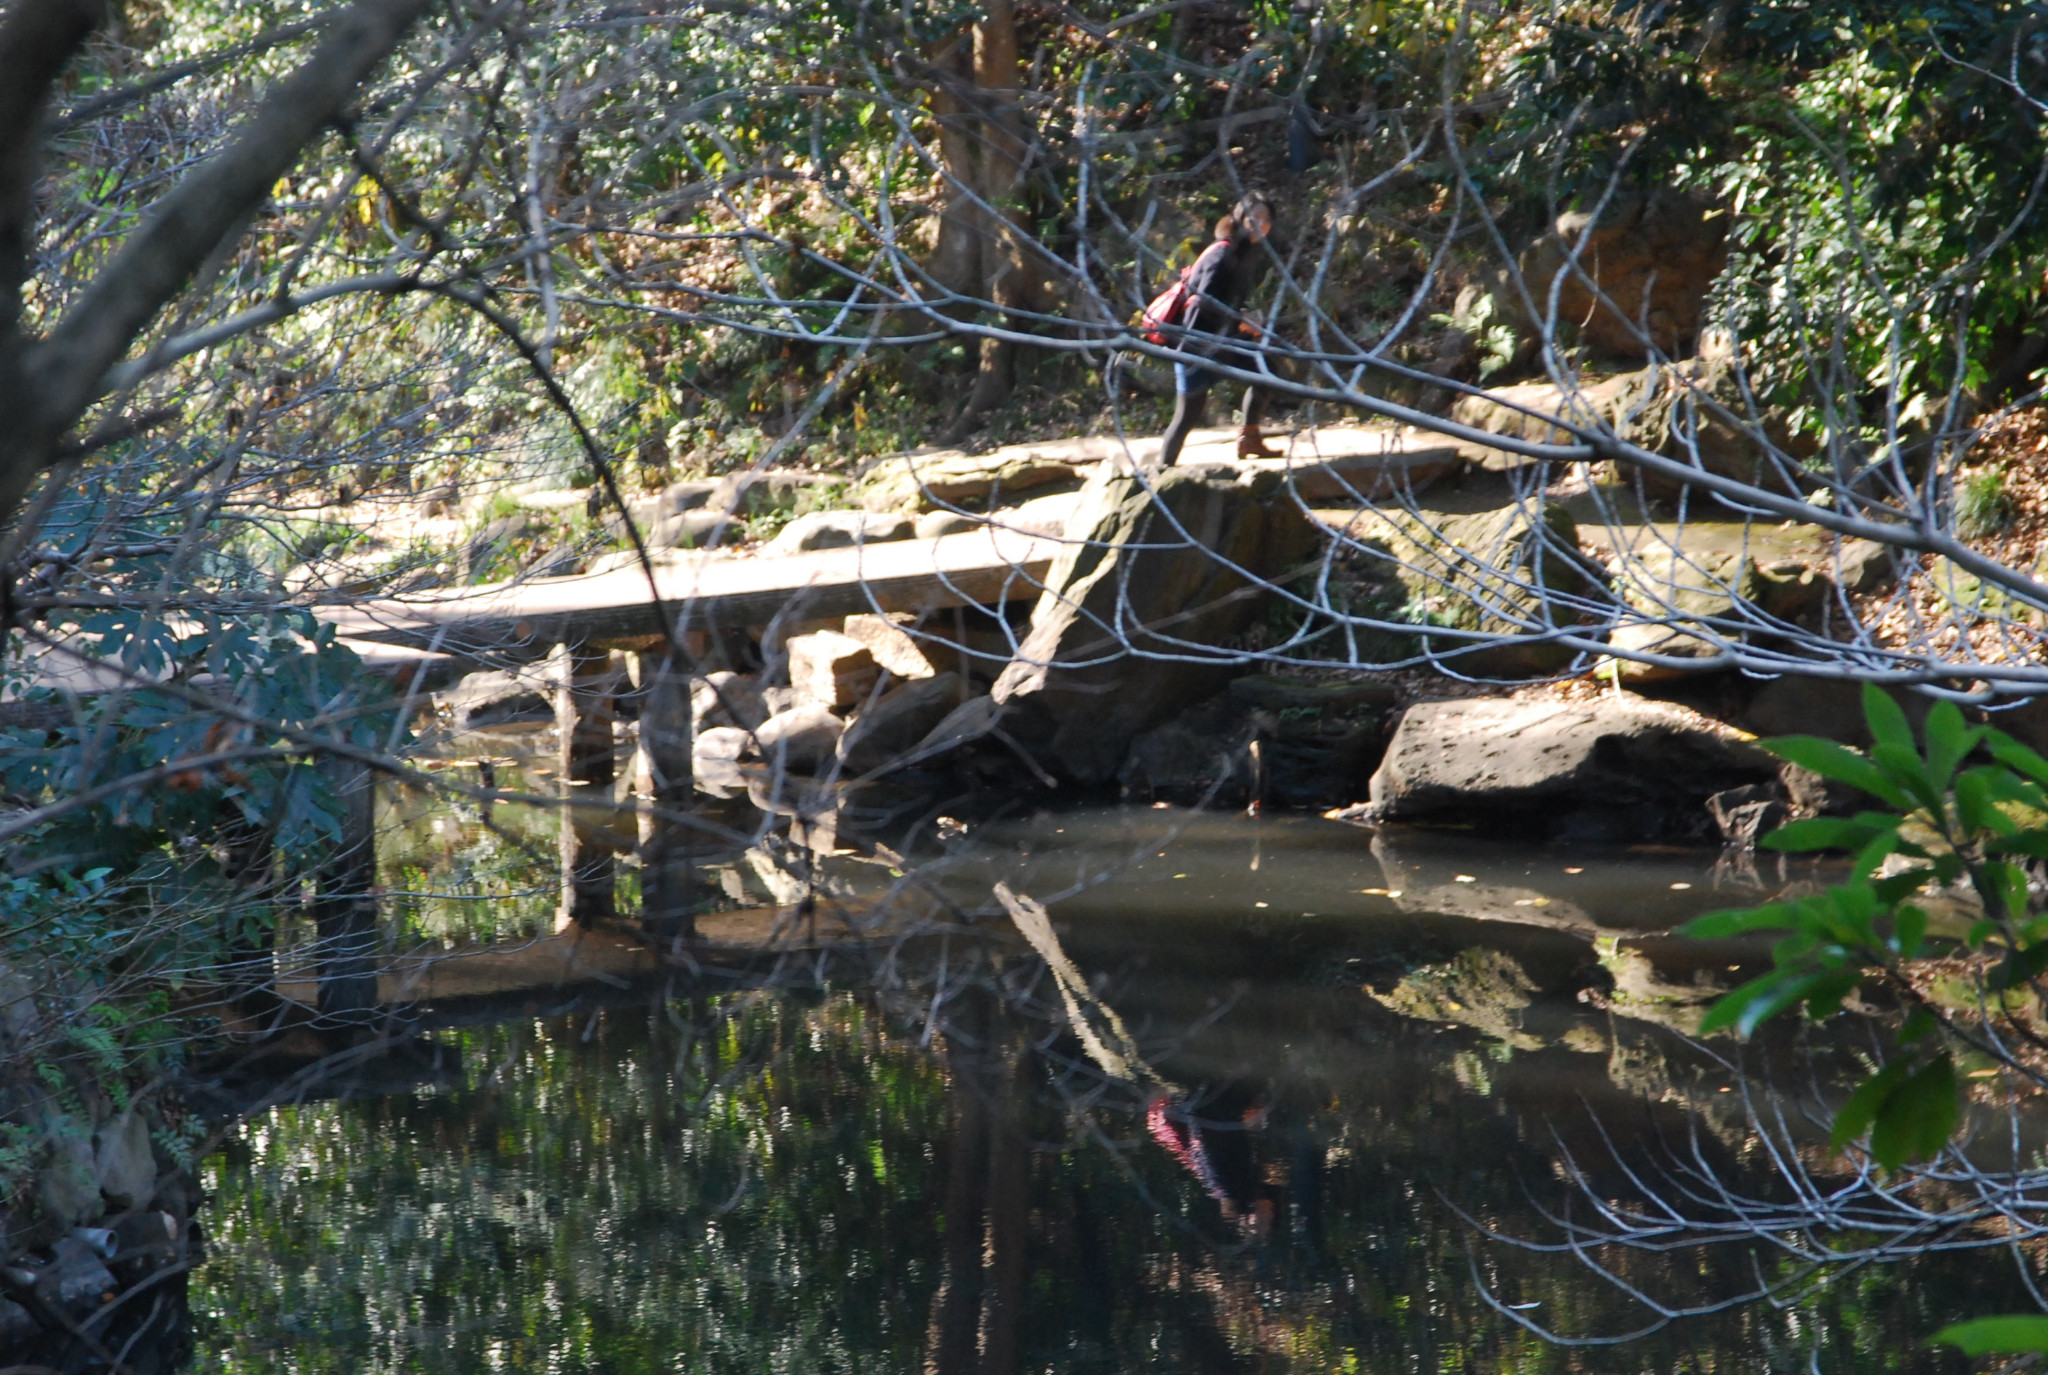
584,709
665,739
345,901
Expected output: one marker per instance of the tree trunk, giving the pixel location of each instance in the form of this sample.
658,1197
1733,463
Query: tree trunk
956,262
984,142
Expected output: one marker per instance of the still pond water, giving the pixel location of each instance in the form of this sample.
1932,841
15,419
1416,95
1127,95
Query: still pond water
1319,1060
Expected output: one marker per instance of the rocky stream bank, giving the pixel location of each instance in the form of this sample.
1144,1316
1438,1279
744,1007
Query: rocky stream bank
1160,660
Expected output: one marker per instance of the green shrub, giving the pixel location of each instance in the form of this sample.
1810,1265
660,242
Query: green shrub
1983,507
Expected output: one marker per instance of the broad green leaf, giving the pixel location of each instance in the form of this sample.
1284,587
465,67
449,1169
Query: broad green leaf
1894,888
1853,905
1841,764
2016,756
1887,722
2017,968
1949,740
1974,805
2008,1334
1875,853
1861,1109
2031,843
1917,1119
1904,766
1759,1000
1824,996
1909,930
1740,921
2007,786
2009,881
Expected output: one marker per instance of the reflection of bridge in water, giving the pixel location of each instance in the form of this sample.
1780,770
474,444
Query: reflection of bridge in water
686,602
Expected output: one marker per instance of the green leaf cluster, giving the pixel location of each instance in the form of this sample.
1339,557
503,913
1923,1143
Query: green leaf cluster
1948,826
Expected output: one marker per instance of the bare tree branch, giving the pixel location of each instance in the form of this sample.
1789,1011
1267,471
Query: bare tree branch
38,38
62,374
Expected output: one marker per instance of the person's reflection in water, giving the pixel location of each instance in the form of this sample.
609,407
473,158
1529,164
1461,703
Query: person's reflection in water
1212,1139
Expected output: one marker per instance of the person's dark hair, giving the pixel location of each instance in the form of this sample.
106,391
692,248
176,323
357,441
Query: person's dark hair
1233,223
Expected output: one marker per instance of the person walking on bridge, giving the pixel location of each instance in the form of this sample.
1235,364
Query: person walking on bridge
1208,310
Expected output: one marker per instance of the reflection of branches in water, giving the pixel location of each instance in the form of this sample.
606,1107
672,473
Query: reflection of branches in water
1830,1218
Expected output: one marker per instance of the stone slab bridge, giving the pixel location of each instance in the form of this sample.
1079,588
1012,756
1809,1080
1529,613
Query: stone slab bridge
423,640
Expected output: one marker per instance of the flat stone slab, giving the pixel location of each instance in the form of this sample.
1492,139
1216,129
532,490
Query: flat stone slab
1358,476
982,567
1328,463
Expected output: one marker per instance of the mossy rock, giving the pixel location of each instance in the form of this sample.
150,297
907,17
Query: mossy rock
1500,572
1671,587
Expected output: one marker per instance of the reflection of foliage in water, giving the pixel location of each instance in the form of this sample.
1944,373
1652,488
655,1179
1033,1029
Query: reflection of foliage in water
760,1183
610,1202
453,874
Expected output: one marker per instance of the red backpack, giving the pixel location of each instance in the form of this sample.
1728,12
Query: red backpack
1170,306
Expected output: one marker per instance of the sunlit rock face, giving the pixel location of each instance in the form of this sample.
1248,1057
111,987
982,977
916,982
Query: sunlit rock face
1159,570
1632,278
1612,768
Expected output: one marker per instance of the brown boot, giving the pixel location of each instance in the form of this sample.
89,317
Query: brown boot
1251,444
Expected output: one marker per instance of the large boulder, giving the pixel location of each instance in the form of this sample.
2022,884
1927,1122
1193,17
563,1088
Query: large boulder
67,1185
837,530
781,489
124,1163
802,739
726,698
892,646
890,728
1610,768
831,670
1674,411
665,518
1201,757
19,1017
77,1281
1531,410
480,701
693,529
1283,743
715,759
1651,256
17,1324
935,481
1159,568
1045,515
1697,414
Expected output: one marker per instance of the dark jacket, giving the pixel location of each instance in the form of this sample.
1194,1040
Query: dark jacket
1220,283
